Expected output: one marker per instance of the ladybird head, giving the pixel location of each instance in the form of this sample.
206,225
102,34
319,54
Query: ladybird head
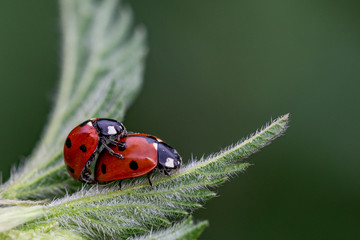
110,127
169,159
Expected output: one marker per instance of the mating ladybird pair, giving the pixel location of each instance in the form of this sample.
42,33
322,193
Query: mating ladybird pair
121,155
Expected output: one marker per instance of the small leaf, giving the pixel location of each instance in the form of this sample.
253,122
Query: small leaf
9,216
137,208
41,234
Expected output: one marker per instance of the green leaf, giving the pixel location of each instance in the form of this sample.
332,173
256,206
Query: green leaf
43,233
9,217
137,208
102,71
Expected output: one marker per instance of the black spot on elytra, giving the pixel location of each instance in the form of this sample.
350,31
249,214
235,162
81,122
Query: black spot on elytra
70,169
122,146
103,168
133,165
68,143
83,148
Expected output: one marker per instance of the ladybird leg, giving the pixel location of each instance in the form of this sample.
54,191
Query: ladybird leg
87,178
112,141
86,175
148,177
103,142
119,184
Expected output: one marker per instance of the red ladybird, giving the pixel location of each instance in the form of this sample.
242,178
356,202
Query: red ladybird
84,141
142,154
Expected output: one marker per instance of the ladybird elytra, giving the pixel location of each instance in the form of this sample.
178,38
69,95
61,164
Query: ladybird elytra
142,153
85,141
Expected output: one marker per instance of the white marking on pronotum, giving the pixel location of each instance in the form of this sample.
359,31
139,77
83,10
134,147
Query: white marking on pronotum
111,130
169,163
90,123
155,146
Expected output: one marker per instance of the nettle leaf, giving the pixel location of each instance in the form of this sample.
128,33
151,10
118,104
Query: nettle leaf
102,71
106,212
102,68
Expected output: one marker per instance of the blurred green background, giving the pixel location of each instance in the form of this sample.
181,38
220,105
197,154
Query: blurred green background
217,71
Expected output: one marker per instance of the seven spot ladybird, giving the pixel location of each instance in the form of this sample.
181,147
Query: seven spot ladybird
85,141
142,154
